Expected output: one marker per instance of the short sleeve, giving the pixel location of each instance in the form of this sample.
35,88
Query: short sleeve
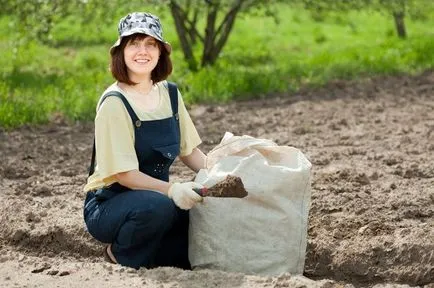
114,139
189,136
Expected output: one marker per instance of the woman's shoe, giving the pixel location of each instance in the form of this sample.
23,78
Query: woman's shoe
107,255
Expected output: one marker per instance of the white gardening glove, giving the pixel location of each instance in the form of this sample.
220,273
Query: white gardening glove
183,195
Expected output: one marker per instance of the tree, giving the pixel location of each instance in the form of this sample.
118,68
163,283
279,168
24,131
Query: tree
398,9
219,16
35,19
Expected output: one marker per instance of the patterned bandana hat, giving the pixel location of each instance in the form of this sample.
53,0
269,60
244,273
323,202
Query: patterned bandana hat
144,23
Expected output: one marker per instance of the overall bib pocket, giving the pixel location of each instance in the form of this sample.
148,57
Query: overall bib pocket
169,153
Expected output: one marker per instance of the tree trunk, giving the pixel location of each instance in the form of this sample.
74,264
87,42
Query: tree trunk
181,30
221,35
215,36
399,18
208,44
191,31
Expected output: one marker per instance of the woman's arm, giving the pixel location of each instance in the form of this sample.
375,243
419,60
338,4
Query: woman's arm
181,193
196,160
134,179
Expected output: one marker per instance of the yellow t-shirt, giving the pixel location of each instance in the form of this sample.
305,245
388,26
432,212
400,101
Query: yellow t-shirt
114,134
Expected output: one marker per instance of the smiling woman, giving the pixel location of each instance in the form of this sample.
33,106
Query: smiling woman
130,203
133,52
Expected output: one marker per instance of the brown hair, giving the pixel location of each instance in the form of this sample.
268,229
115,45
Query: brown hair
119,68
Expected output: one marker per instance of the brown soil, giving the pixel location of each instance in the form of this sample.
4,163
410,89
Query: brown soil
371,143
231,186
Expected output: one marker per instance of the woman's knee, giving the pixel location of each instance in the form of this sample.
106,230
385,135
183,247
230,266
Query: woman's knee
142,210
159,210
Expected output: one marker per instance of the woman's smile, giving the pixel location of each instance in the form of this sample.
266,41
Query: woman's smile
142,61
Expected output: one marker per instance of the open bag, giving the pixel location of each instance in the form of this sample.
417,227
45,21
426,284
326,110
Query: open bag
264,233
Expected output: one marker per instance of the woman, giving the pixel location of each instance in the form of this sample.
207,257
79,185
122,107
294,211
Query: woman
140,128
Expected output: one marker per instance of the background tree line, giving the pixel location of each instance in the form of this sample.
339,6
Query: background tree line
206,24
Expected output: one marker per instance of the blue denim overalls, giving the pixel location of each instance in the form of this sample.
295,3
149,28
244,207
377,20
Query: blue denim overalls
145,228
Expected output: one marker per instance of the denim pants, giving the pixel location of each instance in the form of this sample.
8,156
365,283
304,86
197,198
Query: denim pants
145,228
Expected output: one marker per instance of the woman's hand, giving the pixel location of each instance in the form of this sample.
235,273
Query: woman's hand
183,194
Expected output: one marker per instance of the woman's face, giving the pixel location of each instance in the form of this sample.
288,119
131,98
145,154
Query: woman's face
141,55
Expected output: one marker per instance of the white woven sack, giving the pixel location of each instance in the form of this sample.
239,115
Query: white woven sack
264,233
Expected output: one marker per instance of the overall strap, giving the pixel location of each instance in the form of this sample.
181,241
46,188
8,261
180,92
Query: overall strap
131,112
127,105
173,94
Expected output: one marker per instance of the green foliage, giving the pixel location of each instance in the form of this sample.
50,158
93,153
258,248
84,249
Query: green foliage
417,8
261,58
399,9
35,19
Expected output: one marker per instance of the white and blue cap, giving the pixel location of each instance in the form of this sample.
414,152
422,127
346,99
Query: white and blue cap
144,23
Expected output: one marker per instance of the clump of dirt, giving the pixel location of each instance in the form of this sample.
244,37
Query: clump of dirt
232,186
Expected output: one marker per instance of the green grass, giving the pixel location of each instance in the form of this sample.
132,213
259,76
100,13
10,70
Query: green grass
260,58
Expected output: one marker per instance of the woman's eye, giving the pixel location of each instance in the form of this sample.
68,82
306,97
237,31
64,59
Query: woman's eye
150,44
